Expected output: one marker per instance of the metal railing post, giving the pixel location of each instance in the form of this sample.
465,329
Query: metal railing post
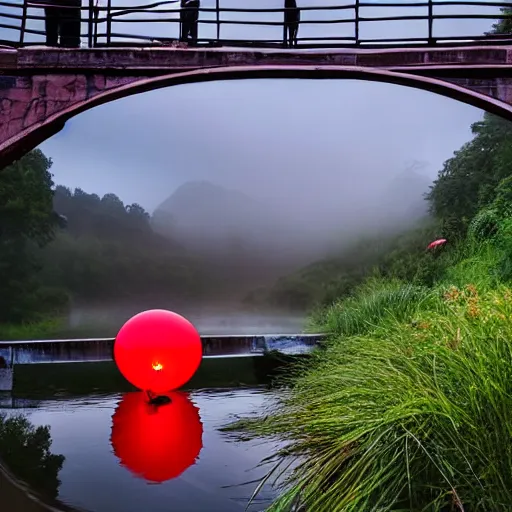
430,22
109,22
23,22
90,24
356,16
217,7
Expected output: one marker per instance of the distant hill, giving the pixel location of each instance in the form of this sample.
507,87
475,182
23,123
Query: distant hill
202,214
252,243
240,238
201,211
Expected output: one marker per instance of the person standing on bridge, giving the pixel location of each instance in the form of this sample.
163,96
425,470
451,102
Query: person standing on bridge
291,22
63,21
189,17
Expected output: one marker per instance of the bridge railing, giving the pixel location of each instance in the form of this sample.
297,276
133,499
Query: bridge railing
222,23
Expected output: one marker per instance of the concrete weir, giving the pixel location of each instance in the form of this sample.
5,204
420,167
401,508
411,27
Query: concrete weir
24,354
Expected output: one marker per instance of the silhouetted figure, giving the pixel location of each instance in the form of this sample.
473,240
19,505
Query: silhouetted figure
63,21
291,22
3,363
189,16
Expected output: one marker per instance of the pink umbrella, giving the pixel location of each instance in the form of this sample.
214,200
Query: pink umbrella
436,243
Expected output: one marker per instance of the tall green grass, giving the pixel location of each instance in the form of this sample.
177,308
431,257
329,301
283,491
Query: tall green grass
409,407
373,302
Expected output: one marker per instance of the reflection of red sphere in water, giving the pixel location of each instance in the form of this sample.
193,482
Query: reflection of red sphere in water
156,443
158,350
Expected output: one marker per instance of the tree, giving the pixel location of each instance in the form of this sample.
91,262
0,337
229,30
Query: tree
26,199
468,181
26,451
503,26
110,250
138,217
26,218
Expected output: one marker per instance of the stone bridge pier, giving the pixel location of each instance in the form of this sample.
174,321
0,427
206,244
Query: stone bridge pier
40,89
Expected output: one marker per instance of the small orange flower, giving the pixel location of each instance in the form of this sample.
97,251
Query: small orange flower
452,294
471,289
473,310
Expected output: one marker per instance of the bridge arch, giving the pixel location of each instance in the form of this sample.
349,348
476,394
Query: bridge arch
28,138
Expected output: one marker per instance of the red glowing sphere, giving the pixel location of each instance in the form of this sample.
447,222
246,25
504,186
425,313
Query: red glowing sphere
156,443
158,350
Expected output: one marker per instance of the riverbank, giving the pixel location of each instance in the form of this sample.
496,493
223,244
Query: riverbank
410,405
32,330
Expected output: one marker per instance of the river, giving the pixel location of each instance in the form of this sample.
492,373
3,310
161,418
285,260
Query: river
120,458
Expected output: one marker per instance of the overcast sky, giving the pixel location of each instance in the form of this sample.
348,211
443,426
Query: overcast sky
276,138
314,141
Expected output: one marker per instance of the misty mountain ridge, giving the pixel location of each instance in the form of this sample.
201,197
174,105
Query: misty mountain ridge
201,212
240,239
210,210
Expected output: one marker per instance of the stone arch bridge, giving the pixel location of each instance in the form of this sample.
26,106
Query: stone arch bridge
40,89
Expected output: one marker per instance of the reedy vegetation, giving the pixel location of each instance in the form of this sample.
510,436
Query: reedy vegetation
409,405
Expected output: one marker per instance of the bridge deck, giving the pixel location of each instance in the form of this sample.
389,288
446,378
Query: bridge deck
145,61
41,88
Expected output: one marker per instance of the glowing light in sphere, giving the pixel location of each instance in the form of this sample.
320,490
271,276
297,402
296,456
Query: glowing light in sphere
156,443
158,350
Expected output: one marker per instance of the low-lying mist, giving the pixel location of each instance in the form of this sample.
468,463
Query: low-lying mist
252,241
106,319
207,251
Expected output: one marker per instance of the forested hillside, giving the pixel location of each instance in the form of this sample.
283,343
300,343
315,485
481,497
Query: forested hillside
58,246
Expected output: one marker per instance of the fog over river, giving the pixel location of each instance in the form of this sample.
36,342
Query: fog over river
211,319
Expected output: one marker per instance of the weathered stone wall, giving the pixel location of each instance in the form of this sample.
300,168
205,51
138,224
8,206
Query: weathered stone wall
28,100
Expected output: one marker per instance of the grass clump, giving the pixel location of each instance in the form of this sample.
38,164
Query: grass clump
373,302
408,408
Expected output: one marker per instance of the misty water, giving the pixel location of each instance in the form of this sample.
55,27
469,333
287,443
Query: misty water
119,457
106,321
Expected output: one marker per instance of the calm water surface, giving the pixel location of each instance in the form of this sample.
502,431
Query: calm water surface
122,456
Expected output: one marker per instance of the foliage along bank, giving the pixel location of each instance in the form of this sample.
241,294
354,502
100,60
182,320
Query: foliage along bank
409,406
